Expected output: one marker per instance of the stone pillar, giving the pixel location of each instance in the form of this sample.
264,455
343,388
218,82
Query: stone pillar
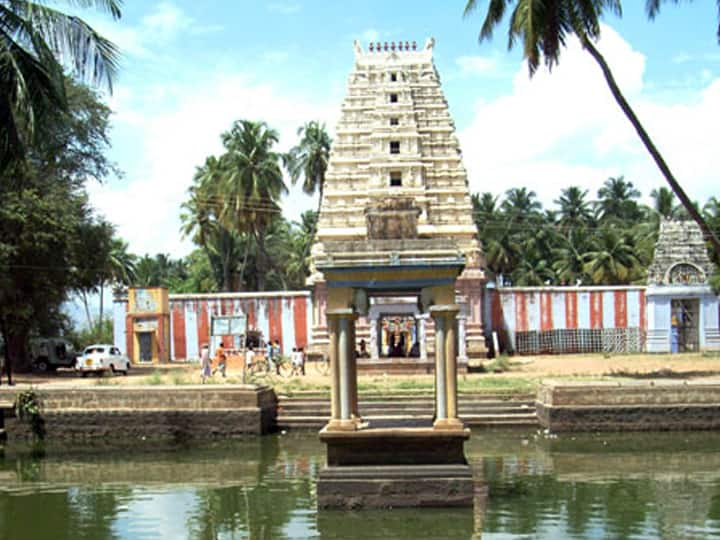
422,336
462,357
341,325
345,368
446,335
440,384
352,361
332,324
374,347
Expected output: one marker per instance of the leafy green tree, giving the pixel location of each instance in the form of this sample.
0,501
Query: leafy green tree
43,215
36,43
542,29
92,250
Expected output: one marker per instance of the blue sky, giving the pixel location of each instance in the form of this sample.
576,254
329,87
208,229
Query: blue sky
191,68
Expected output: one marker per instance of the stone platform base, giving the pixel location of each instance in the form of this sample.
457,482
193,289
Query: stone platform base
634,406
395,486
395,467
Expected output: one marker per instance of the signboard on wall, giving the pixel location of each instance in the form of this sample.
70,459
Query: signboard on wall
231,325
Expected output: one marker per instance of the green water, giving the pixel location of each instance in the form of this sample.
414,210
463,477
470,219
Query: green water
664,485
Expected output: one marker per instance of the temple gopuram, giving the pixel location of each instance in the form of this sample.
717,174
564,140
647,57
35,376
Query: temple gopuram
396,194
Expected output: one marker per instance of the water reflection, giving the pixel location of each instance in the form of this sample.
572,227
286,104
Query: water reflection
611,486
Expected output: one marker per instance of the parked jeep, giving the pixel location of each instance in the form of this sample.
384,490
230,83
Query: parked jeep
48,354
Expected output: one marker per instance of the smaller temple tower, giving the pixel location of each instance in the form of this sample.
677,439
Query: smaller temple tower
682,310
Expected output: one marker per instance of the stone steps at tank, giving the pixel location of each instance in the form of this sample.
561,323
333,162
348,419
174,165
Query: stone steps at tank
476,410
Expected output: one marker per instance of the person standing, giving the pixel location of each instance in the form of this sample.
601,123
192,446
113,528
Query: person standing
277,353
271,357
221,360
205,364
249,358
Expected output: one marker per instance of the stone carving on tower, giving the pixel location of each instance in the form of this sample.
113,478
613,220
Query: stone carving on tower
396,171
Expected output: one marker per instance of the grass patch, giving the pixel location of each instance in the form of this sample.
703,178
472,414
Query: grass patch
178,378
155,378
497,365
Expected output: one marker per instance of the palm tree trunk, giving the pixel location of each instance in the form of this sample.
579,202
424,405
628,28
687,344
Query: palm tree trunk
645,138
102,286
261,259
87,309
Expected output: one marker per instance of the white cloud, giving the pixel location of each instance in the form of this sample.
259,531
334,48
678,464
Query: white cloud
163,24
476,65
166,20
563,128
176,138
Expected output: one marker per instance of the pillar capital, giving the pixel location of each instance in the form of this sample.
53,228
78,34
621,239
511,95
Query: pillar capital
341,313
444,310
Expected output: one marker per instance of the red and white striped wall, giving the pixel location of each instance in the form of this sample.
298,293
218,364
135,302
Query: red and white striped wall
284,315
525,309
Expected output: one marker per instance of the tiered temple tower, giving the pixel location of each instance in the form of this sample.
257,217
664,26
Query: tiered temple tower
395,149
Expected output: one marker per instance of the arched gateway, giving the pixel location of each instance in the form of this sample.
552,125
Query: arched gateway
396,245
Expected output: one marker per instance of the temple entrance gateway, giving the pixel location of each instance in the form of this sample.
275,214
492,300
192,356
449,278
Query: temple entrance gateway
396,269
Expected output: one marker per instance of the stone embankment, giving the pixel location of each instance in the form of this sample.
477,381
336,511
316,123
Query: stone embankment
311,410
162,412
634,406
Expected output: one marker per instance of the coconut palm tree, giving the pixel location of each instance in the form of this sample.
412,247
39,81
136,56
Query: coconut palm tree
521,204
119,268
543,28
664,202
202,217
611,259
252,184
569,257
617,200
36,43
309,158
575,210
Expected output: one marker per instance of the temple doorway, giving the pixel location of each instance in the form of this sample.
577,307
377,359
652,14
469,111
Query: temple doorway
398,337
397,328
685,335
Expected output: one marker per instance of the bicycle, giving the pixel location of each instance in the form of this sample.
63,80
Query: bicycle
320,362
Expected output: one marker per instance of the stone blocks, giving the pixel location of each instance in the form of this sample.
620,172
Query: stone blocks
159,412
667,406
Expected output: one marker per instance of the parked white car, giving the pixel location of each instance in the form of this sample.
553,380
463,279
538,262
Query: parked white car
101,358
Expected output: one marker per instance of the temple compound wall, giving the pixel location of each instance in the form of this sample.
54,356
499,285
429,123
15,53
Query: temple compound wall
284,316
675,312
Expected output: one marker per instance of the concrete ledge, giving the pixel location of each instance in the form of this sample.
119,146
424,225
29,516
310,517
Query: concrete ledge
395,487
154,412
641,406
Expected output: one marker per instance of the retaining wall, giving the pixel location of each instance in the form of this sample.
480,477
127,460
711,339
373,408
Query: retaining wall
157,412
642,406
